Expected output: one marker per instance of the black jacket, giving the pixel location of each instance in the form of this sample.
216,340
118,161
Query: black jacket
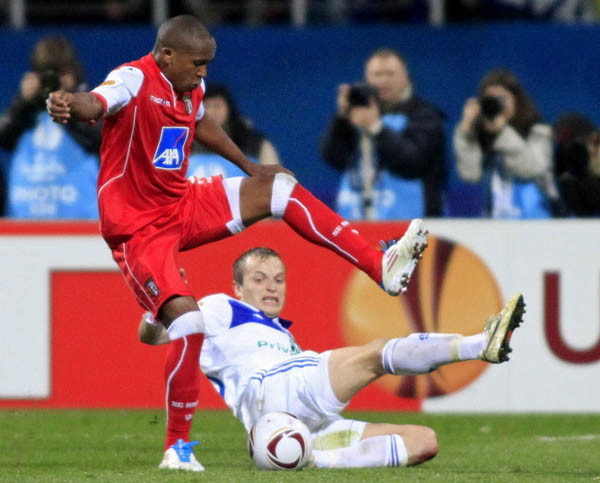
418,151
21,115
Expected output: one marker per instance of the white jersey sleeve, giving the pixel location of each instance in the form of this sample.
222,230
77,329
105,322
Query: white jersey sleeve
201,109
119,87
217,313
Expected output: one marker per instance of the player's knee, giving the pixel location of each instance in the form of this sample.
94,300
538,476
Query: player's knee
282,187
373,351
285,178
428,444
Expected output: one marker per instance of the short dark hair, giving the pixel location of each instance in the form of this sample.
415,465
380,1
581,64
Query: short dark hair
387,52
178,32
238,265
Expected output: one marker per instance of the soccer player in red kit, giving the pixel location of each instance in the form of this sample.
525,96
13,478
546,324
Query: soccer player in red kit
150,211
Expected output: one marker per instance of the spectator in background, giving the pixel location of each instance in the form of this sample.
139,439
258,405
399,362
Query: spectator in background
389,144
53,169
88,12
568,11
502,142
577,164
220,106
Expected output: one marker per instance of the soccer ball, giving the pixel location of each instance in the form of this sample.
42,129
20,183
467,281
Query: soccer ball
279,441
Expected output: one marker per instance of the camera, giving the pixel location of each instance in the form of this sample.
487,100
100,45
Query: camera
49,81
491,106
361,93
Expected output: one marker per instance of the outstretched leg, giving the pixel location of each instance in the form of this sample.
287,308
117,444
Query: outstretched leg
352,368
282,196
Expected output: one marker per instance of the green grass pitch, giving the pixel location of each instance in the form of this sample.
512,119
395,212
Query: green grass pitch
126,446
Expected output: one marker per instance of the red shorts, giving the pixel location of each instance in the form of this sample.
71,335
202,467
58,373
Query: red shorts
148,260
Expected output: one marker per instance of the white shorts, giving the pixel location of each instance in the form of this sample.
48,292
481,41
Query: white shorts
300,386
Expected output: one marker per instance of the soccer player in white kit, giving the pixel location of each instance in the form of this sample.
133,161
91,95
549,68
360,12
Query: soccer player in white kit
254,363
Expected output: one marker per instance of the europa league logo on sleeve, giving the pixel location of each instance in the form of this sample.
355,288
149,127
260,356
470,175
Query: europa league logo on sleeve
451,291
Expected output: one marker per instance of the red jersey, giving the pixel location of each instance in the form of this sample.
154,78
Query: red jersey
146,138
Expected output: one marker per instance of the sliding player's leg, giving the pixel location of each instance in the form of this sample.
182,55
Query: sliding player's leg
352,368
344,443
281,196
301,386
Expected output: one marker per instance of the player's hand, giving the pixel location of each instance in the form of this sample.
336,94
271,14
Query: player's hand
471,111
365,117
269,169
58,105
343,104
30,85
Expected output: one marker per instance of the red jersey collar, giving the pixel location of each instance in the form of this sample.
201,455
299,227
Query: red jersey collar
150,61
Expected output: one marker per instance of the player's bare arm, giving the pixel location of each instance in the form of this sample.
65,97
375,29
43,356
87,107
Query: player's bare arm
212,135
80,106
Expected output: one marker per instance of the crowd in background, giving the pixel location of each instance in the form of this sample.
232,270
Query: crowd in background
388,143
262,12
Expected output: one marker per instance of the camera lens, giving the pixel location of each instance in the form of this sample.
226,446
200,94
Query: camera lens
49,81
360,94
491,106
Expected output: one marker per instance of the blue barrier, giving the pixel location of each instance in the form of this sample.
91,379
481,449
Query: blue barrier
286,79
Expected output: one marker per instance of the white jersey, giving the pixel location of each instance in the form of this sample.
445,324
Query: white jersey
239,341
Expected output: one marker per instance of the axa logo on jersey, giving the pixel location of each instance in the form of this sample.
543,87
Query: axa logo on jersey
169,152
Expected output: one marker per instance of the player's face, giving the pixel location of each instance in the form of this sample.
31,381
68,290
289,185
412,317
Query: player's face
389,75
185,68
263,284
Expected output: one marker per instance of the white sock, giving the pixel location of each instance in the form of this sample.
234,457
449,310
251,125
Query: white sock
470,346
378,451
186,324
283,185
423,353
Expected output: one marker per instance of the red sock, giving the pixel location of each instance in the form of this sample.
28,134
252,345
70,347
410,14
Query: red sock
314,221
182,376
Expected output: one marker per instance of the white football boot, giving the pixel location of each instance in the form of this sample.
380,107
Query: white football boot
499,328
181,457
401,258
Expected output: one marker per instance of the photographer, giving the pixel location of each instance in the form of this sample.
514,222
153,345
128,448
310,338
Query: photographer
501,142
389,144
53,169
577,164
